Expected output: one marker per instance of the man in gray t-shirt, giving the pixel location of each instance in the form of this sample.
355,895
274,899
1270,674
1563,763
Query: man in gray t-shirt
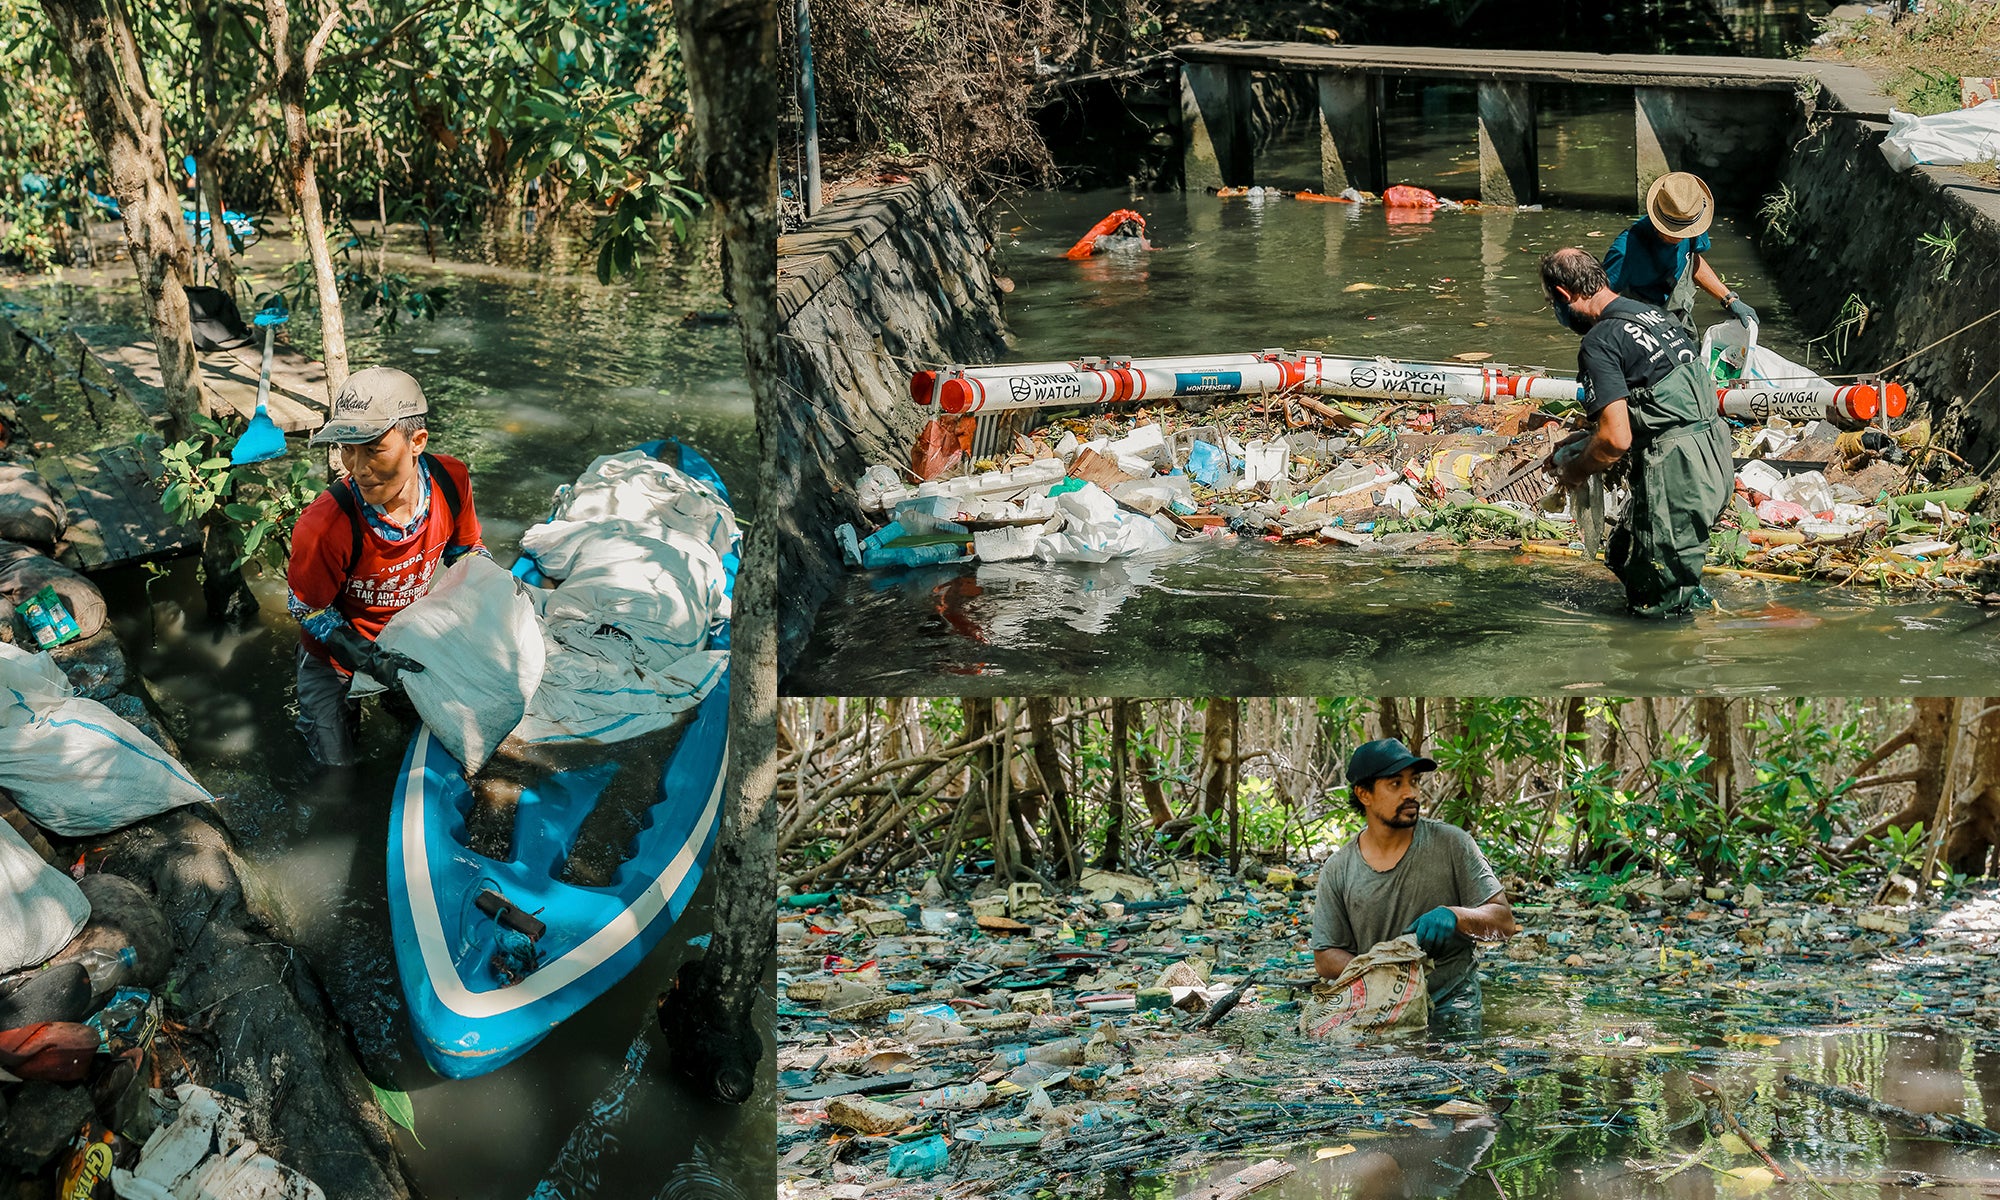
1405,873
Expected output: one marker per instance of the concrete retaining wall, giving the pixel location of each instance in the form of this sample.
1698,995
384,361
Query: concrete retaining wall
885,281
1855,232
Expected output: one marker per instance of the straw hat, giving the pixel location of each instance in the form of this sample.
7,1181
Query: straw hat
1680,205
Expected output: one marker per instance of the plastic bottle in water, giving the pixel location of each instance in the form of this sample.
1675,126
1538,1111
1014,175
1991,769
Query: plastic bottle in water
109,969
1065,1051
919,1158
969,1095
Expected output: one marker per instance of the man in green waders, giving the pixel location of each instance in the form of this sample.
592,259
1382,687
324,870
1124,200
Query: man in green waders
1649,393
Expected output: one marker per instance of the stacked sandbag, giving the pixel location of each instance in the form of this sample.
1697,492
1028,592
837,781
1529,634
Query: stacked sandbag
29,511
25,570
72,764
41,909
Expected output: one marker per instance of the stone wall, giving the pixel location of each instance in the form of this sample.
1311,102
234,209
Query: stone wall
883,282
1855,230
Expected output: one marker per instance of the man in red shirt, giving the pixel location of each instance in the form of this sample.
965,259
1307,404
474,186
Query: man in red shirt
367,547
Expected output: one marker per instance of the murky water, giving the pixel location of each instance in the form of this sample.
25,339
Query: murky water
1237,274
1618,1123
533,370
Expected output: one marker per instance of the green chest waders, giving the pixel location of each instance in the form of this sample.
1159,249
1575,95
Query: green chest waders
1680,301
1681,479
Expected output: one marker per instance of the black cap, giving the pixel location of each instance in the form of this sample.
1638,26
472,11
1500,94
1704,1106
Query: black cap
1382,758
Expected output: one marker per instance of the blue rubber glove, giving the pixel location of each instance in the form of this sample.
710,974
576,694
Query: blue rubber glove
1435,930
1742,312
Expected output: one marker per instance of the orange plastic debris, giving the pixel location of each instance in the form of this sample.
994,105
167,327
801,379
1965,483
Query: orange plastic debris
1405,196
1088,242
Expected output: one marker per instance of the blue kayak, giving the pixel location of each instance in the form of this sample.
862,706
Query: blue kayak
492,954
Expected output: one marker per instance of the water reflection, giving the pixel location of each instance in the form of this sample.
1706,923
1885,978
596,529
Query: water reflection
1629,1126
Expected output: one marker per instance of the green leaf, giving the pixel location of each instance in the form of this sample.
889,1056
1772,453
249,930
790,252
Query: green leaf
397,1106
214,464
241,512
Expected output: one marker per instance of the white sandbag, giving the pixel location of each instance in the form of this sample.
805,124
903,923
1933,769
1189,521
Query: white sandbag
663,591
587,698
73,765
41,909
482,648
636,487
1946,139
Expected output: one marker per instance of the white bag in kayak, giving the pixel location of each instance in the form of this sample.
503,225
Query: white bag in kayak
1947,139
636,548
40,908
476,634
73,765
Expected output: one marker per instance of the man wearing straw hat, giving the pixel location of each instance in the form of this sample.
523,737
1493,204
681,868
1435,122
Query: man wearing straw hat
1660,259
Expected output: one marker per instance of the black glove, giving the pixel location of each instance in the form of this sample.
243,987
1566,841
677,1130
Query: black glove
1741,311
363,657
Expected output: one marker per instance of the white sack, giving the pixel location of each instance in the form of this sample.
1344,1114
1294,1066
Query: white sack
1734,361
476,634
637,547
1947,139
40,908
73,765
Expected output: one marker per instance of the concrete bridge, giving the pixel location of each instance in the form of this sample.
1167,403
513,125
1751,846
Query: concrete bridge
1726,119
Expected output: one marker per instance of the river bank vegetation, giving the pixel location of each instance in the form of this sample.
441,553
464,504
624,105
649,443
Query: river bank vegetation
1705,789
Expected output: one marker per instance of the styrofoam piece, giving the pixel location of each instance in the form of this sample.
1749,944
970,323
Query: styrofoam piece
1759,477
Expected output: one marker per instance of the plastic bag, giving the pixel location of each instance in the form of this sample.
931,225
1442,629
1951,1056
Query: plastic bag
941,445
1966,135
206,1151
483,655
25,571
1384,989
1736,360
73,765
40,908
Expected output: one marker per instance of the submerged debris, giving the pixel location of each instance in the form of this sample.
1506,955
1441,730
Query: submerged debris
1015,1042
1878,505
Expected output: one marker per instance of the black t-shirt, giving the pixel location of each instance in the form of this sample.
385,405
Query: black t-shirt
1633,345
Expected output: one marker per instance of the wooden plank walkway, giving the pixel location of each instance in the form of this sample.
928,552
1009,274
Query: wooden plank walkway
298,400
1690,71
115,518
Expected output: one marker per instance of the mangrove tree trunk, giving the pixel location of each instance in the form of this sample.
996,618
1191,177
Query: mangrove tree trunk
127,125
730,48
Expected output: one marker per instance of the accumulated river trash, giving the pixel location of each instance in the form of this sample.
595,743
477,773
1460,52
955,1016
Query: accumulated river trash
1140,1035
1845,490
